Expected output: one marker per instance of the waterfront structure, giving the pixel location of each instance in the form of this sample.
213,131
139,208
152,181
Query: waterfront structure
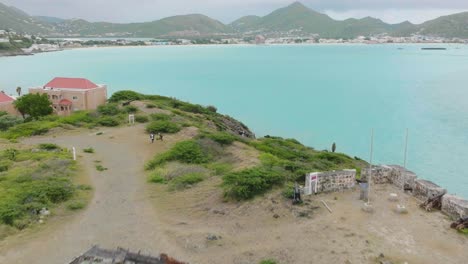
73,94
6,104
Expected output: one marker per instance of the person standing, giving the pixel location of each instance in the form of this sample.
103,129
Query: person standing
152,137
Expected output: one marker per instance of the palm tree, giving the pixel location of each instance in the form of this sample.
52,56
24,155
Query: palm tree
18,90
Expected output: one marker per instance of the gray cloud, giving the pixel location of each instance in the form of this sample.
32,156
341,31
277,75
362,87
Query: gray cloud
228,10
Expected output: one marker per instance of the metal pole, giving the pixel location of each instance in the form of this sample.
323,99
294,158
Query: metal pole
370,166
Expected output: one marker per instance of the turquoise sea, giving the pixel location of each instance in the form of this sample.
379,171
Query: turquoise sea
319,94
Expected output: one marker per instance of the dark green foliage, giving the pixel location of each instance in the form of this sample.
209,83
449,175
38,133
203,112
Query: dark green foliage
248,183
156,178
333,147
78,118
109,109
162,127
212,108
48,146
185,181
289,149
88,150
130,109
288,190
125,96
34,105
268,261
76,205
185,151
141,119
3,113
150,106
99,167
108,121
7,121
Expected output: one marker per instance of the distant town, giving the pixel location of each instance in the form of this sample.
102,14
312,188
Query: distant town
13,43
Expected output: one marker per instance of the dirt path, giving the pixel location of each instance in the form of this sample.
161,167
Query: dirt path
120,213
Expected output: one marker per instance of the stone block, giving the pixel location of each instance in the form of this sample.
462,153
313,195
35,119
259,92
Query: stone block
454,206
425,189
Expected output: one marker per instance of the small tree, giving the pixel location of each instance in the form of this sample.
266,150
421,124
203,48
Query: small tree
333,147
34,105
18,90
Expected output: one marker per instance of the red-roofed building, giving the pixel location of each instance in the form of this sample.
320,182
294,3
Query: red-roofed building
6,104
73,94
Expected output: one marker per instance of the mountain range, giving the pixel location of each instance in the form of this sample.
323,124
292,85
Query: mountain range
295,19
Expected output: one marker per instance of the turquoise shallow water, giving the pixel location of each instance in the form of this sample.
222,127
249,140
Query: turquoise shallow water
318,94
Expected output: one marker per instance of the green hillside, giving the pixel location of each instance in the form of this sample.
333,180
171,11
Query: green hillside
17,20
295,19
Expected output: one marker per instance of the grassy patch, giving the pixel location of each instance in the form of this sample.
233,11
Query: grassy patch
220,168
185,151
141,119
268,261
185,181
34,180
48,146
76,205
160,117
108,121
156,177
88,150
162,127
222,138
248,183
99,167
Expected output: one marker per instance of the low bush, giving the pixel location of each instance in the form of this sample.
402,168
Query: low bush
185,151
222,138
109,109
155,177
220,168
7,121
130,109
88,150
99,167
268,261
78,118
108,121
125,95
162,127
150,105
76,205
248,183
48,146
33,128
212,109
185,181
141,119
288,190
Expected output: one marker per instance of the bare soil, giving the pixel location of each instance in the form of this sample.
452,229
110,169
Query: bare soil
127,211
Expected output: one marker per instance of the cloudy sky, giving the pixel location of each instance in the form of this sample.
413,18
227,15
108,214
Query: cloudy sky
392,11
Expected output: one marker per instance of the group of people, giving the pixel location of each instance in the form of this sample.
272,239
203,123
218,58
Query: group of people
160,137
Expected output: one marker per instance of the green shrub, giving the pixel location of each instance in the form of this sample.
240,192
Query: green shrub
125,95
155,177
88,150
76,205
29,129
185,151
185,181
77,118
250,182
109,109
108,121
288,190
268,261
99,167
212,109
5,165
160,116
222,138
192,108
150,105
162,127
11,154
3,113
7,121
130,109
48,146
141,119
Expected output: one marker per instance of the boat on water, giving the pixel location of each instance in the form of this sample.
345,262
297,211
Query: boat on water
434,48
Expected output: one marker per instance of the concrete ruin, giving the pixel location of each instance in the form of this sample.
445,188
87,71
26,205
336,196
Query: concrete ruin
425,189
330,181
454,206
397,175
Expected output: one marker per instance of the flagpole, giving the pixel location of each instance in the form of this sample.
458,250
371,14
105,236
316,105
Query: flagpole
370,166
406,148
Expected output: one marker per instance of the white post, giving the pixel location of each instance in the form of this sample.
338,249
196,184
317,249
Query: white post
131,119
370,166
74,153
